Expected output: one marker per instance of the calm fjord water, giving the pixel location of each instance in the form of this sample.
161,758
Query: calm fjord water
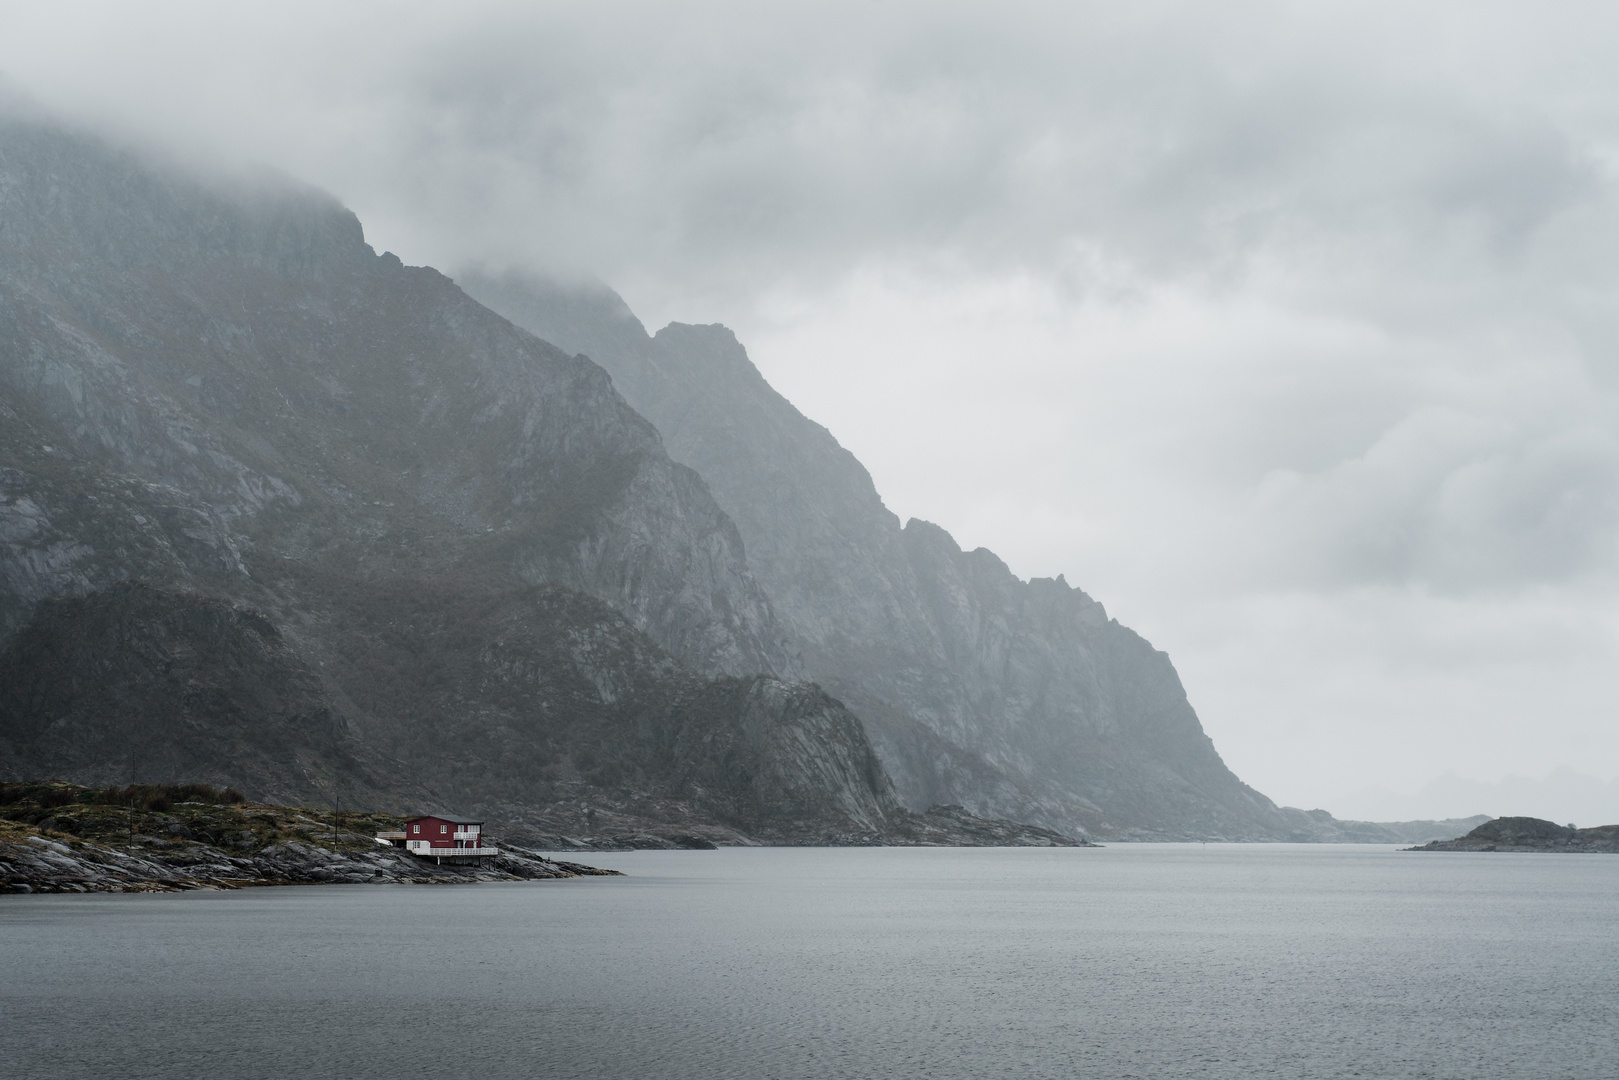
1152,961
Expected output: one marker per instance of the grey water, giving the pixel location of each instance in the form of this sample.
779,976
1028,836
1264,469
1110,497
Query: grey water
1153,961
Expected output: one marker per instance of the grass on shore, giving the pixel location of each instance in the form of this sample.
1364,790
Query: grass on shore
169,815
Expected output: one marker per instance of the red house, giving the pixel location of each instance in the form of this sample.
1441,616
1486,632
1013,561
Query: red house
442,837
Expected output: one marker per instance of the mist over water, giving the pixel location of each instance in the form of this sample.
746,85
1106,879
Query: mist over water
1127,961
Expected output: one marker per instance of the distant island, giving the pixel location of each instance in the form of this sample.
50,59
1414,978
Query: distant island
1530,834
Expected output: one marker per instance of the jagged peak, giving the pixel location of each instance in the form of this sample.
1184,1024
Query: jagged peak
579,314
711,346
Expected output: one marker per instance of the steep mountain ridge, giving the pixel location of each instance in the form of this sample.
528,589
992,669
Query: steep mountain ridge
456,563
1015,698
281,513
317,401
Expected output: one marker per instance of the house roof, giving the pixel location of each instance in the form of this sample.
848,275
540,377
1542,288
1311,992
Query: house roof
457,819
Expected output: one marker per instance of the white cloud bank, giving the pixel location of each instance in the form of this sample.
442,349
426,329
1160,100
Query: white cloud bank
1286,330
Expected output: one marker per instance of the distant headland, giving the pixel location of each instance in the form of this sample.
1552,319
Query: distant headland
1530,834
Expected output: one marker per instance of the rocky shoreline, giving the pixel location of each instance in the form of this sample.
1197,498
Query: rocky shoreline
39,864
57,838
1531,834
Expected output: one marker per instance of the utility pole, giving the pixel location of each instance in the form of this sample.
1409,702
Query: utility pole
132,801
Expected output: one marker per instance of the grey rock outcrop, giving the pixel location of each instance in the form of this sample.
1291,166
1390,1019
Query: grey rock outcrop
41,865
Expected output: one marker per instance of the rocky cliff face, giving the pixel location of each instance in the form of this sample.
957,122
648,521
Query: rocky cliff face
531,706
541,709
1016,698
220,378
217,390
454,560
136,682
280,513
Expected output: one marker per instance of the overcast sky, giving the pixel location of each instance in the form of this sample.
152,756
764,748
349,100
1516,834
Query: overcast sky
1287,331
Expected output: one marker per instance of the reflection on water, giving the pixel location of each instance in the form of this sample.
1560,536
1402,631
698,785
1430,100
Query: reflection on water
1152,961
